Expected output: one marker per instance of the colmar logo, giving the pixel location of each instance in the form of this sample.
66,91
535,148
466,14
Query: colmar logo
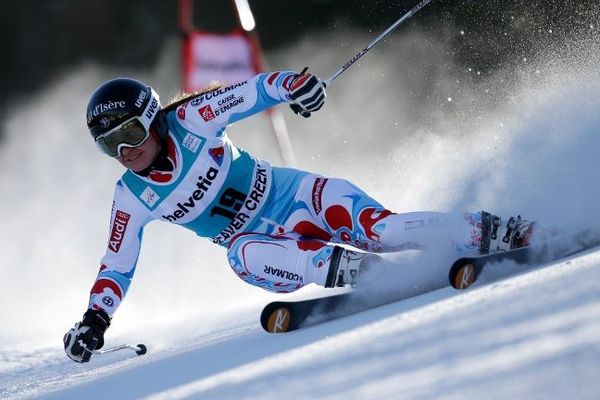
215,93
118,230
197,101
281,273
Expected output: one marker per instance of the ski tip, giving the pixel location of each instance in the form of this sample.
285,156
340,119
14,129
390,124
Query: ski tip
462,276
278,321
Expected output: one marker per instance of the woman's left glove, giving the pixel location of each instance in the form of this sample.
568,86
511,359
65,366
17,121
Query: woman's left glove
86,336
307,93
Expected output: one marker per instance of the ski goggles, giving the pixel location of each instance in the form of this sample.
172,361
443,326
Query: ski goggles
131,133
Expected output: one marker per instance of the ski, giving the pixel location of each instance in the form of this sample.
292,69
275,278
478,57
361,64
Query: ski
465,271
287,316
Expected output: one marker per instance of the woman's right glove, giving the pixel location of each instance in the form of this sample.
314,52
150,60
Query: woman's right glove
307,93
86,336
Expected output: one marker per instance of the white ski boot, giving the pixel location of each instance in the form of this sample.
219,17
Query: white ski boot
498,235
345,266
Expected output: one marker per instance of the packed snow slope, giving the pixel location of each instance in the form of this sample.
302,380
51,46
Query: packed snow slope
530,336
411,130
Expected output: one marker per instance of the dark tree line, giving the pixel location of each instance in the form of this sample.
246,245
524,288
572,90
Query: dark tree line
42,38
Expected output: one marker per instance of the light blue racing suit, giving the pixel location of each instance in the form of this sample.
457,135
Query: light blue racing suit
278,224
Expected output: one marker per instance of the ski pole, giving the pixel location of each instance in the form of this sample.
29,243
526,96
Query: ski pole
378,39
140,349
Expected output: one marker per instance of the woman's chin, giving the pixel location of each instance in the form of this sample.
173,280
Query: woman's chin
138,166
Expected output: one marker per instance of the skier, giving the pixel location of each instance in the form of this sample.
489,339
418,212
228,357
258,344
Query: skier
280,226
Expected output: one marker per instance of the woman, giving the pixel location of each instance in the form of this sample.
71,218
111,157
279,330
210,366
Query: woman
279,225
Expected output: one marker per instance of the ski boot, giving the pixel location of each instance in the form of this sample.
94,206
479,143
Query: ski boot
498,235
345,267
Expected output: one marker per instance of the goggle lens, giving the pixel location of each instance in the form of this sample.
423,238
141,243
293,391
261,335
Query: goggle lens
131,134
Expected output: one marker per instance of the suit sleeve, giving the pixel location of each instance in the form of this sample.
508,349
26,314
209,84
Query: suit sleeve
117,267
211,112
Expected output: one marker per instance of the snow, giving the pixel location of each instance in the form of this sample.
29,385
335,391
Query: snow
534,334
529,336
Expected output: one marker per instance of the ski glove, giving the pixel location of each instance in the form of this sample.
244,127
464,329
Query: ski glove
86,336
307,93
